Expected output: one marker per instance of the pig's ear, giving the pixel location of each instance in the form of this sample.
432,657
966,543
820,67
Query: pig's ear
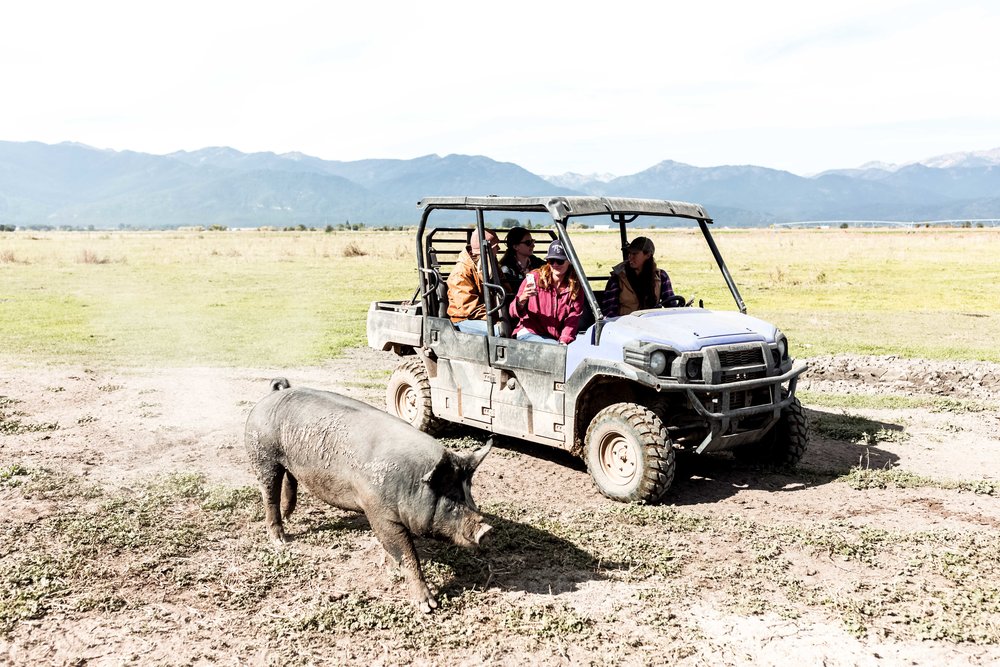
471,461
442,474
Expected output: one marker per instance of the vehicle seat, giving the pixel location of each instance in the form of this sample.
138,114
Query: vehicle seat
438,295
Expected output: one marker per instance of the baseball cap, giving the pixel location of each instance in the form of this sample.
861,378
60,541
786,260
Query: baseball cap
642,244
556,251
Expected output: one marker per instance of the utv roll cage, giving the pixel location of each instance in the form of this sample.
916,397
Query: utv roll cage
436,249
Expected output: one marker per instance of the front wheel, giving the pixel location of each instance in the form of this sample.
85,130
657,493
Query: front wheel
629,454
408,396
785,444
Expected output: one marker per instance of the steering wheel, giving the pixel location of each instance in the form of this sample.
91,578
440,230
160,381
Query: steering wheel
675,301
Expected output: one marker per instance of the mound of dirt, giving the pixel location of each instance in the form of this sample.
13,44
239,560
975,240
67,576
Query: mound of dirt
898,375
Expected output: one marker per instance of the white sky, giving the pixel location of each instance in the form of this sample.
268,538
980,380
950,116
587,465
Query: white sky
570,86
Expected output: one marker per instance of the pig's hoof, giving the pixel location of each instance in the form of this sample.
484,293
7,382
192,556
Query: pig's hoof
427,605
279,539
425,600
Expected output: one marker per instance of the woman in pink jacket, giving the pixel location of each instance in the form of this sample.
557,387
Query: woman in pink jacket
550,302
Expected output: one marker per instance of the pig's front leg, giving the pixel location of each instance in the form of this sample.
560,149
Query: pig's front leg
396,540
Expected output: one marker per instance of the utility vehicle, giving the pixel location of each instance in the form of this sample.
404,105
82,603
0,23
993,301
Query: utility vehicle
628,393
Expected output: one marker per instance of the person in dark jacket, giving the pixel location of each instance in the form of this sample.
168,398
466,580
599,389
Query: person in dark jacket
638,283
518,259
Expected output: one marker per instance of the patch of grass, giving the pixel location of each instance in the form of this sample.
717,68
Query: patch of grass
901,599
853,428
547,621
361,613
29,584
74,558
465,442
244,499
868,478
181,485
861,478
957,406
13,474
889,402
45,483
982,487
661,517
11,424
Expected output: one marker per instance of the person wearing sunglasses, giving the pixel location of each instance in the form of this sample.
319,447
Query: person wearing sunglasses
637,284
549,303
517,260
466,303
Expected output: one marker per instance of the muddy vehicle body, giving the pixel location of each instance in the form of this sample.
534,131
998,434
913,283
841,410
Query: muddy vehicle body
627,394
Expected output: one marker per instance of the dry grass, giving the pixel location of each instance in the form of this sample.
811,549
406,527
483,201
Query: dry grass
352,249
88,256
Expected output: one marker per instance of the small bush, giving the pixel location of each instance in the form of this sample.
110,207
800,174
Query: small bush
88,256
352,249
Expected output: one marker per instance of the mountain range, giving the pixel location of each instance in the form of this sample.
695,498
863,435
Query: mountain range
73,185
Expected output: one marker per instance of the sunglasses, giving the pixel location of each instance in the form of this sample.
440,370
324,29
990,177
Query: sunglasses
528,243
557,262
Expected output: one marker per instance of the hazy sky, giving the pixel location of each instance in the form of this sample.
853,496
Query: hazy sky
587,87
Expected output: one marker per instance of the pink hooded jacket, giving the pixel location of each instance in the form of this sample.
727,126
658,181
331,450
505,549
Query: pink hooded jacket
550,313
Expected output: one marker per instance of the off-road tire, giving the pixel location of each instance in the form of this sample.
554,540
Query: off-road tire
408,396
628,454
784,445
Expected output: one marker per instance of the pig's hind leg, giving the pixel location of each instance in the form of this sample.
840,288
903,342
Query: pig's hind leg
396,540
289,494
270,489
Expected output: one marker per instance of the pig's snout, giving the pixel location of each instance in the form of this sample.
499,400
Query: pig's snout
471,533
481,533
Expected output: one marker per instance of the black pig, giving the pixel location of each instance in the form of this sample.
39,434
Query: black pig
359,458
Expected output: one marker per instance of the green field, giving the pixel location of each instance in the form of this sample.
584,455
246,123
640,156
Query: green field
255,298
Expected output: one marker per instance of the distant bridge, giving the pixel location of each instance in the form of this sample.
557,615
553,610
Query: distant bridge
974,222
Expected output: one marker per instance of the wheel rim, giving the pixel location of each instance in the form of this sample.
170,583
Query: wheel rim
619,460
406,403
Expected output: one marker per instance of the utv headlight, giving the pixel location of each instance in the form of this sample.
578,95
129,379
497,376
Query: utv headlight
780,351
657,362
693,368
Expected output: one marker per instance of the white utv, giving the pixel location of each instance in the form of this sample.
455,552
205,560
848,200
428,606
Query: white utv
627,394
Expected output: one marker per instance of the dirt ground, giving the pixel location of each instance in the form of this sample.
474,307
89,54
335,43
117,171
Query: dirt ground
739,566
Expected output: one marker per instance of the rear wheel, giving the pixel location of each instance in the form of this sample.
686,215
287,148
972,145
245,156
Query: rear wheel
408,396
629,454
785,444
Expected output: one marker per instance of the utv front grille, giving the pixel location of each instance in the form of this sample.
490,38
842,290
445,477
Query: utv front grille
746,357
737,363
